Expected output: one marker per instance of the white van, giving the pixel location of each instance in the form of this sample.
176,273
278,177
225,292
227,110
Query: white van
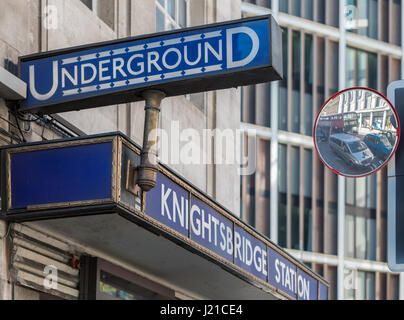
351,149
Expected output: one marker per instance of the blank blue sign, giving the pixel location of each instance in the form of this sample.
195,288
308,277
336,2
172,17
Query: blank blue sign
70,174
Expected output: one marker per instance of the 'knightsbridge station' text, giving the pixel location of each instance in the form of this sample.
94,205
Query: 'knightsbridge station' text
197,220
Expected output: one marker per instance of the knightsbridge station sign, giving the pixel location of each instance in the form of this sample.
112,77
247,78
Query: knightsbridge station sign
193,217
230,54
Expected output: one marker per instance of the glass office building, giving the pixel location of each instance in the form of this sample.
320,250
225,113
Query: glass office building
337,226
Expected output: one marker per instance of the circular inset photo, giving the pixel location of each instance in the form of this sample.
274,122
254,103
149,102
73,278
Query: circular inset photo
356,132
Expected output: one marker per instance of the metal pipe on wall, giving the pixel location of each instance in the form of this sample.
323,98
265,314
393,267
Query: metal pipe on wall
147,170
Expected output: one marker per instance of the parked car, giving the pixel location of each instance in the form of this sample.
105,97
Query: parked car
351,149
391,136
379,145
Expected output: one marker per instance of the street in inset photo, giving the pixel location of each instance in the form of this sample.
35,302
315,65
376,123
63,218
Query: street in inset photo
356,132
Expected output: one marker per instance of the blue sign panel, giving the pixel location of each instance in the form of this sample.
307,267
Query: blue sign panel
236,53
250,254
211,229
79,173
307,286
323,292
168,204
282,273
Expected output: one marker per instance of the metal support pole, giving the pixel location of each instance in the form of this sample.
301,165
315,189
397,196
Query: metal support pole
147,170
274,222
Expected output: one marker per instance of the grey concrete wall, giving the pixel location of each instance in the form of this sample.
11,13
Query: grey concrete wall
78,25
19,24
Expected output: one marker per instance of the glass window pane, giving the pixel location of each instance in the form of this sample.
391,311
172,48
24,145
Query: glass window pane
362,69
320,73
308,85
248,106
349,236
284,6
350,66
360,237
296,8
296,82
331,224
182,13
333,9
371,192
283,87
362,17
263,104
263,187
350,191
308,9
349,284
282,178
350,15
371,239
320,11
295,172
108,289
370,286
373,19
332,278
123,289
308,173
372,73
308,114
171,8
308,184
296,111
396,32
160,20
333,72
248,187
360,193
361,285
